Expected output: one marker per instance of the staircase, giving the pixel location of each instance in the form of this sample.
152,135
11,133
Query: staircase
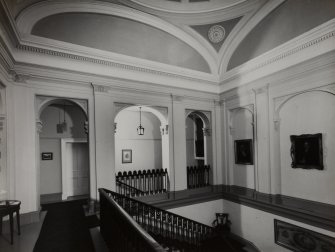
171,231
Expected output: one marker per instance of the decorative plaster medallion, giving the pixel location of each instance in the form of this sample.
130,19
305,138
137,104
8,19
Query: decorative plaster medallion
216,33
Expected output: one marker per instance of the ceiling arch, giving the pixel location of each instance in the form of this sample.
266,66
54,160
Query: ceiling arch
250,22
29,17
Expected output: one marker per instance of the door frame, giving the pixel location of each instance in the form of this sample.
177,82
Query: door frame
65,141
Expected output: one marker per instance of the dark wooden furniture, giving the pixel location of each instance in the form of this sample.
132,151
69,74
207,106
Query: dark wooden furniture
9,207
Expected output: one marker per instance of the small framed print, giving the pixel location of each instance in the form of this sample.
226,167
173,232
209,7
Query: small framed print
127,156
47,155
244,152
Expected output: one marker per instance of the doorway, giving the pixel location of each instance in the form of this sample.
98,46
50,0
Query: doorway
64,151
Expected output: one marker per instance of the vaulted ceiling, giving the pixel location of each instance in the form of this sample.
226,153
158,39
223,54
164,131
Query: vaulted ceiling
198,38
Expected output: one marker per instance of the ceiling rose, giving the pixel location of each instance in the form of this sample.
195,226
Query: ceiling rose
216,33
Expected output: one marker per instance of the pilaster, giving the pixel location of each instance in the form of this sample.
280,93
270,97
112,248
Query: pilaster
262,136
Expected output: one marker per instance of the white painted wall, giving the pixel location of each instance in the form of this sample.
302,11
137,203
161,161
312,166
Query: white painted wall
253,225
146,149
202,212
179,145
23,167
104,140
51,170
242,128
308,113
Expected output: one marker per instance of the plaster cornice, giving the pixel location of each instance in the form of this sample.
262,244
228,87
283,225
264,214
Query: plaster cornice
48,76
122,70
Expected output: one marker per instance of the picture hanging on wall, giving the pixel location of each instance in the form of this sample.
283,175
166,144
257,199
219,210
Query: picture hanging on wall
306,151
296,238
47,155
244,152
127,156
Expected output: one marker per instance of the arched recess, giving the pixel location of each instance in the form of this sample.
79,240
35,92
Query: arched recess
31,15
4,174
132,119
63,149
307,112
241,127
199,140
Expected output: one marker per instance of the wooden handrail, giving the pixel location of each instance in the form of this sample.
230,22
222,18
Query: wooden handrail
120,231
162,222
131,188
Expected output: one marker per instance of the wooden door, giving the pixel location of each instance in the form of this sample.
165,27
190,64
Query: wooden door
78,169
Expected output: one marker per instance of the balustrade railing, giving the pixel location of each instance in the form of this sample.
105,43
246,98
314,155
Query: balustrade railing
197,176
137,183
120,231
161,223
128,190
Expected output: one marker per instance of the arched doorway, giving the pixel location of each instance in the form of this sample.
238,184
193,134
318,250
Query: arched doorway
64,150
198,149
141,160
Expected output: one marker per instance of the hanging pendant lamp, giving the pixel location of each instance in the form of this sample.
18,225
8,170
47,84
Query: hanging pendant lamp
140,129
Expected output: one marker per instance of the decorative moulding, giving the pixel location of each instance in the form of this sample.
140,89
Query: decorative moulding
216,33
199,80
239,8
101,88
43,101
231,36
160,112
316,42
28,18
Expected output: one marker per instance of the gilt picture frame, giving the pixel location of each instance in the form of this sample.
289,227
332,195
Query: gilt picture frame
127,156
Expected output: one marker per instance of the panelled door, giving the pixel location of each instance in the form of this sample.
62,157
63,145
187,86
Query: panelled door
78,168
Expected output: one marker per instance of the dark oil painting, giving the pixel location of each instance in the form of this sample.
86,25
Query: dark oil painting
244,152
306,151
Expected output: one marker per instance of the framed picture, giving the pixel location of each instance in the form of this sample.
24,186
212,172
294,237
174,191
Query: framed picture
296,238
127,156
306,151
47,155
244,152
